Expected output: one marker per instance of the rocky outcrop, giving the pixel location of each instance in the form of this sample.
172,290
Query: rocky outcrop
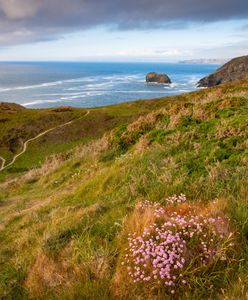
158,78
235,69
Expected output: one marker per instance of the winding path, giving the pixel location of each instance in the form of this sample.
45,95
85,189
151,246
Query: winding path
25,144
3,163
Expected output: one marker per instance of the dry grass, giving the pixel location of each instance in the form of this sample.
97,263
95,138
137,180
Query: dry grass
93,149
48,274
145,121
56,270
57,275
175,118
142,144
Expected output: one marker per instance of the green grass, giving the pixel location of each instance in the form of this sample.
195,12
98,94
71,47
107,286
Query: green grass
23,124
61,224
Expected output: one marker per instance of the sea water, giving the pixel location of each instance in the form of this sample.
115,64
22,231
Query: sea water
88,84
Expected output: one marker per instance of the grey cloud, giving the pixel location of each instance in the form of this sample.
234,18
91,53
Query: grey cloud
18,9
37,20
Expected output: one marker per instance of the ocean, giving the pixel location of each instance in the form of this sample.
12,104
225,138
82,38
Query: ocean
88,84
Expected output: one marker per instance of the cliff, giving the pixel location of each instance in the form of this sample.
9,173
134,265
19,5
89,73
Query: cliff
235,69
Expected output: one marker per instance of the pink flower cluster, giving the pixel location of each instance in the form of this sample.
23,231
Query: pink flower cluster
158,209
146,203
165,249
156,255
176,199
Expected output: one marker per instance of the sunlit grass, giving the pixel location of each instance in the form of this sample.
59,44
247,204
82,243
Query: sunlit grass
63,224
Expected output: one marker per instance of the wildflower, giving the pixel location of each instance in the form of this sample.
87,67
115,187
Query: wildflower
157,254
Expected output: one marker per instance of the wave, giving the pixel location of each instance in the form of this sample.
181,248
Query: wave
98,93
140,91
61,94
158,83
46,84
184,90
81,96
174,84
99,85
193,80
122,77
109,81
82,90
78,95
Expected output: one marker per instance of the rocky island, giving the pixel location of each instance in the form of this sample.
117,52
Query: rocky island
235,69
154,77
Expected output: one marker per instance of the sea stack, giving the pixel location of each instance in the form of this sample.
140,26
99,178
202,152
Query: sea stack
235,69
157,78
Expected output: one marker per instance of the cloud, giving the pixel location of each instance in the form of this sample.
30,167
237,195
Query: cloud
169,52
19,9
227,50
36,20
148,53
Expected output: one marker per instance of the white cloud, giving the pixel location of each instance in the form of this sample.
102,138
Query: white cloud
170,52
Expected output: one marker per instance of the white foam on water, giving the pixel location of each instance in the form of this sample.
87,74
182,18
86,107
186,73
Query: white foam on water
158,83
193,80
106,86
111,81
99,85
32,86
141,91
46,84
88,94
61,94
184,90
174,84
92,86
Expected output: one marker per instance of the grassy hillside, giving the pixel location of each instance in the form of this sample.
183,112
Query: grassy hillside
64,225
19,124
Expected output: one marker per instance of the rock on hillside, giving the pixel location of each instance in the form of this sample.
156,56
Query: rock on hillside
235,69
158,78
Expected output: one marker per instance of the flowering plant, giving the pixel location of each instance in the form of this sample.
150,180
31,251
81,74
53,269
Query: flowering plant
176,244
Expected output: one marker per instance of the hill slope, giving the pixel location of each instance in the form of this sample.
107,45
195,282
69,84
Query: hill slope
18,125
62,226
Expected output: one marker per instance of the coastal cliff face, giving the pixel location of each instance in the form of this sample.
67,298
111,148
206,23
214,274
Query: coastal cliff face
158,78
236,69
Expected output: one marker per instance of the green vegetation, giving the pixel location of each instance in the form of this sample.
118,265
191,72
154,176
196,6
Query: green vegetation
63,223
19,124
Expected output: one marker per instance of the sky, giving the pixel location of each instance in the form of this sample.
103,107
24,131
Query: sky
122,30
